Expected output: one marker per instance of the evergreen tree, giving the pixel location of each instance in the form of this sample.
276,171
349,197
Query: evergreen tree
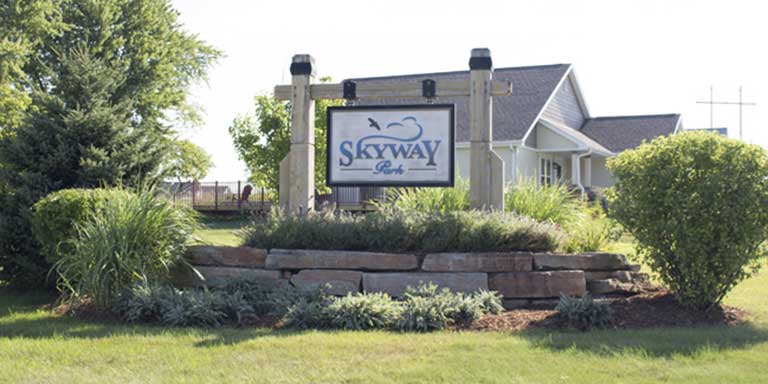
98,94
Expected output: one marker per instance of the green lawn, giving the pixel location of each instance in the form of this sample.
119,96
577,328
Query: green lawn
220,231
38,346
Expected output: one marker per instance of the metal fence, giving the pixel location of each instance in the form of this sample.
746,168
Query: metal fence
212,196
350,197
219,195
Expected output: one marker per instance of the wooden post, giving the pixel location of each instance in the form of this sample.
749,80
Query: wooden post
301,163
193,193
239,196
285,182
216,195
486,175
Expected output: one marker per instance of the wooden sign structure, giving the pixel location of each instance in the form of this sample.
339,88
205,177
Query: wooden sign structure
297,169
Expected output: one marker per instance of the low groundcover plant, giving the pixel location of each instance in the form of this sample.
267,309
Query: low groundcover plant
423,308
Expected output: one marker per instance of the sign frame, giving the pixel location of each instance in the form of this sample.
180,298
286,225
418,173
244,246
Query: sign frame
416,183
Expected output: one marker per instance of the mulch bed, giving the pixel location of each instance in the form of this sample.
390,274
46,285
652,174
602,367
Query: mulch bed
657,308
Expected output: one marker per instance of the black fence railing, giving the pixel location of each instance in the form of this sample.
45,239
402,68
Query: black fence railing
219,195
239,195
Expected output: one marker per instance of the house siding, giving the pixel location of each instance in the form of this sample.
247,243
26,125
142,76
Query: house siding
462,162
601,176
546,139
527,164
504,151
564,107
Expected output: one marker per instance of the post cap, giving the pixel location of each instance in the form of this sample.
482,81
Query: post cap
303,65
480,59
481,52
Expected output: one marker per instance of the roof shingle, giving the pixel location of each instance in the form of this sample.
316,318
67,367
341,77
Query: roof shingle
619,133
512,115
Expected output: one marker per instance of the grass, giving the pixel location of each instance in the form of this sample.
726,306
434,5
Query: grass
38,346
221,230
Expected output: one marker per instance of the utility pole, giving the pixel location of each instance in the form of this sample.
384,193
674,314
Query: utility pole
712,104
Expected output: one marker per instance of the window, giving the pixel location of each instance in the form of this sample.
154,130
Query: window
549,172
557,171
545,173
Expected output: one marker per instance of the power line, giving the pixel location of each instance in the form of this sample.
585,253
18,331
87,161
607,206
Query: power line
741,103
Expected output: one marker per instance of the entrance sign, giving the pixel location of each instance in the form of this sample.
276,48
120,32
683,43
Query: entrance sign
391,145
403,145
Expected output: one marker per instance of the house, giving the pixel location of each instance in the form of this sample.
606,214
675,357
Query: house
722,131
543,130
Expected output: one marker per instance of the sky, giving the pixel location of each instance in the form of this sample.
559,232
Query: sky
630,57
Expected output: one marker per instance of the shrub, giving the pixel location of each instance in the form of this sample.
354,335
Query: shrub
238,302
490,301
422,314
425,308
363,311
430,199
132,239
584,313
697,203
395,230
310,312
266,297
171,306
554,203
56,216
21,263
140,303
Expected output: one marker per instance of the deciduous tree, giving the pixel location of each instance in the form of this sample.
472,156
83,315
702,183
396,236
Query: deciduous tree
188,161
262,139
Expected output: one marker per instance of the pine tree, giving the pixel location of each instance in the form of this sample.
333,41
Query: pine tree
91,108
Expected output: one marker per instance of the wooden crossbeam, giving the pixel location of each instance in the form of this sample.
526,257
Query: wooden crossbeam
444,88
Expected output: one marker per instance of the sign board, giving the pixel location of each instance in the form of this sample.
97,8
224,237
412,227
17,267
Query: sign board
391,145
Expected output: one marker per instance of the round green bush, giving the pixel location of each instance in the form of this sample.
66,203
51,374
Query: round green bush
56,216
697,203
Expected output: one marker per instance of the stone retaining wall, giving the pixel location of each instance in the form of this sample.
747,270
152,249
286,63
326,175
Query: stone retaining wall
521,277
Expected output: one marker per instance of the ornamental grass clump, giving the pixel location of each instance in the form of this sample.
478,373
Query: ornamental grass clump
591,231
697,203
554,203
397,230
137,238
455,198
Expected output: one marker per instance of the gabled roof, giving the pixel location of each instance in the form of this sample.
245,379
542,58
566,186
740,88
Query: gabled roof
512,115
577,136
618,133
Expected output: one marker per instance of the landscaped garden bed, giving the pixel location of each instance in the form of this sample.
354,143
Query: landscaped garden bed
521,277
652,308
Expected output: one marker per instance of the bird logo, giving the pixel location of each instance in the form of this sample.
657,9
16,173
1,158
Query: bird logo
374,124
